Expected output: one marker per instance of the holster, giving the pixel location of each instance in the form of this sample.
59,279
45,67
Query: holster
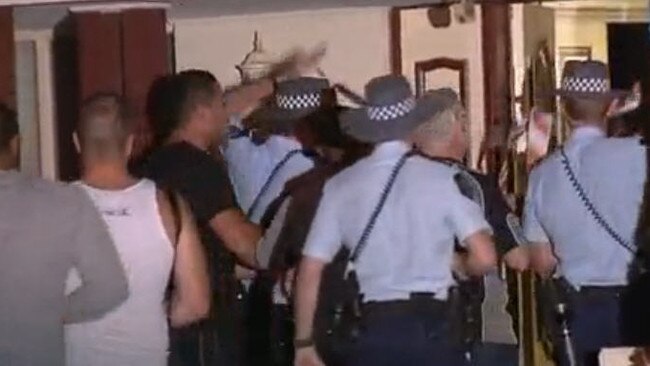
465,301
334,292
347,314
555,304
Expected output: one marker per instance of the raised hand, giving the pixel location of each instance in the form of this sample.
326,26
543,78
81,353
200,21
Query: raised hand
298,62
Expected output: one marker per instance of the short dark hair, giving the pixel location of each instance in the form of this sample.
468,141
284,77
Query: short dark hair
104,124
8,126
324,125
174,98
586,109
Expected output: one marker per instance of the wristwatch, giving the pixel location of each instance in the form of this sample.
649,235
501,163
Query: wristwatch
303,343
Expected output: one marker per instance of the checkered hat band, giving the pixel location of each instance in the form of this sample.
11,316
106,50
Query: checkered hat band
585,85
390,112
298,101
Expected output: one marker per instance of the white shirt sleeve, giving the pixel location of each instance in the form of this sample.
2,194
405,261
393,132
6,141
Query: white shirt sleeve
324,239
464,216
268,242
533,230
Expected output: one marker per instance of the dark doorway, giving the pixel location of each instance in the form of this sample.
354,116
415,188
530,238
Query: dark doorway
629,55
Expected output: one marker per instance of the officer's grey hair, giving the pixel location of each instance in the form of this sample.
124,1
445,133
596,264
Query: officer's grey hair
439,126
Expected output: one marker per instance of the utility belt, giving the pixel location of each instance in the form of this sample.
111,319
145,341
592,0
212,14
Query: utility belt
418,303
600,291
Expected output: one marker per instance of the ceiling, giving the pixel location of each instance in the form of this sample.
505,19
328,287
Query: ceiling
30,16
600,4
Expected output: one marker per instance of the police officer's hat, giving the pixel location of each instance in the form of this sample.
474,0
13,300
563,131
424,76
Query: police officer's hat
391,112
587,80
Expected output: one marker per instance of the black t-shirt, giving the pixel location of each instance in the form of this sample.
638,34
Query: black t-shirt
198,176
202,180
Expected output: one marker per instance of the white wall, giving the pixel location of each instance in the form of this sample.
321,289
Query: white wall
358,46
588,27
420,41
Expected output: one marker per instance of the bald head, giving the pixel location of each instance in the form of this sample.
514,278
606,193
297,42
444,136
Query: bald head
104,131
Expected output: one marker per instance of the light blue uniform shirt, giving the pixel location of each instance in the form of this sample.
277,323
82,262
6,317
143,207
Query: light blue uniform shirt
411,246
555,214
249,166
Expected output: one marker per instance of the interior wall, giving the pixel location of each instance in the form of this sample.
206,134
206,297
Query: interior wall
420,41
27,107
357,40
588,27
531,25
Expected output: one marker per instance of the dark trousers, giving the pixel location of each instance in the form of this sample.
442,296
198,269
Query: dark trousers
282,329
594,322
414,338
202,344
495,354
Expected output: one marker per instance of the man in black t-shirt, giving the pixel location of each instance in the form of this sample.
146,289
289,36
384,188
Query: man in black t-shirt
195,113
191,118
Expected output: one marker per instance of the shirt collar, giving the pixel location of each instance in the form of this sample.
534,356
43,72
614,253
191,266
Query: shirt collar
390,149
283,143
587,133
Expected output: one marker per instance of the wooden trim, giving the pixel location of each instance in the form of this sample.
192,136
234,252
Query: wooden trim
459,65
7,57
99,37
497,74
145,59
395,28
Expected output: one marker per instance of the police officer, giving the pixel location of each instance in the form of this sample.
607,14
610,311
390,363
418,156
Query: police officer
399,216
259,171
283,241
575,225
282,157
444,139
615,173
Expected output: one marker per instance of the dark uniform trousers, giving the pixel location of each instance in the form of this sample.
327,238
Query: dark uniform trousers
399,333
594,323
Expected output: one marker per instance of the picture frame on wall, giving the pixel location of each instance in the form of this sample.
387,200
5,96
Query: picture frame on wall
573,53
442,72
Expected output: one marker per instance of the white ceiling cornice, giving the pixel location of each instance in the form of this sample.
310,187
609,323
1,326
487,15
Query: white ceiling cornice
610,14
76,2
110,7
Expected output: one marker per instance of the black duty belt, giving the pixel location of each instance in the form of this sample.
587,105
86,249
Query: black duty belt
601,291
418,302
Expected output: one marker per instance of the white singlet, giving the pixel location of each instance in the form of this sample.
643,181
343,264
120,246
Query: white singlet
134,334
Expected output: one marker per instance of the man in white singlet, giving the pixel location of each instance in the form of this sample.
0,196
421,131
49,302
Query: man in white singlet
156,239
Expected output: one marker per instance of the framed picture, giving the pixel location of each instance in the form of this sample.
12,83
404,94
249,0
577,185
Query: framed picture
442,72
577,53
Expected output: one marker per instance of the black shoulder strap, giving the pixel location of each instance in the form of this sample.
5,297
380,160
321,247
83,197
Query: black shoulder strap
591,208
363,240
270,178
